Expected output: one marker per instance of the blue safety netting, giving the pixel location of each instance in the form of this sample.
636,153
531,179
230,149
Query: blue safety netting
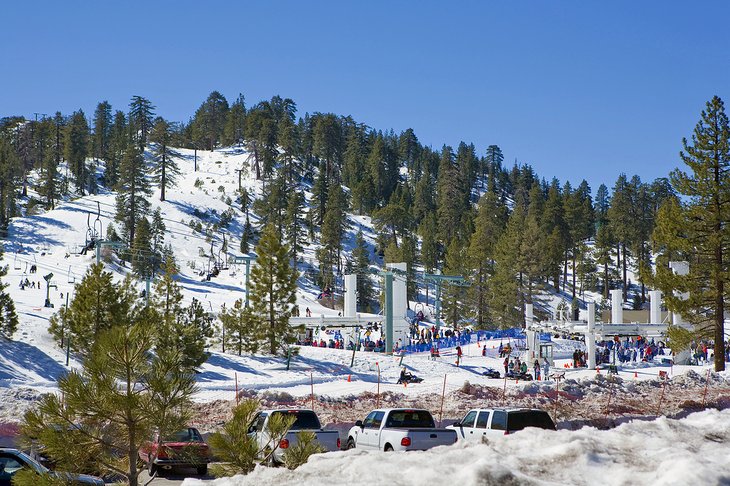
470,337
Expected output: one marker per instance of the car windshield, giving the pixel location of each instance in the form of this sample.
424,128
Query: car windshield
410,418
529,418
184,435
305,419
37,466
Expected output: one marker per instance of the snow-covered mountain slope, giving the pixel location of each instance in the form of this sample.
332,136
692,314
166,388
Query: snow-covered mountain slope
51,242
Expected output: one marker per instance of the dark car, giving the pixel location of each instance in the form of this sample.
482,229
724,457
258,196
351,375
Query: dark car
13,460
184,448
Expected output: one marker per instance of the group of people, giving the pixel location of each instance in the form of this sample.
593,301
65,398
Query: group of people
579,358
503,350
631,349
29,284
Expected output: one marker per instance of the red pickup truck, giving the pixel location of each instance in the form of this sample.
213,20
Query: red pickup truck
184,448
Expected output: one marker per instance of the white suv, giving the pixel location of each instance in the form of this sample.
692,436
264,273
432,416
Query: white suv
485,422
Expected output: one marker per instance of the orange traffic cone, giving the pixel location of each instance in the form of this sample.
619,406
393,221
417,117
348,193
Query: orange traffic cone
405,384
349,378
598,370
636,375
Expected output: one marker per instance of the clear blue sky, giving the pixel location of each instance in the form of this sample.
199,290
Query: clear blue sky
578,89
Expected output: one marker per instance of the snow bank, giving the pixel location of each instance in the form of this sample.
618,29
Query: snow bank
693,450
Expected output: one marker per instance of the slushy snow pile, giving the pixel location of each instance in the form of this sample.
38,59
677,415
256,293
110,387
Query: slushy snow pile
694,450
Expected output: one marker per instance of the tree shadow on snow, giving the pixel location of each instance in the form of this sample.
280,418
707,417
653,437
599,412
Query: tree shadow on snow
17,358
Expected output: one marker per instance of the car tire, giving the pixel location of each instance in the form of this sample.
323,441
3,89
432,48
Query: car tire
388,448
202,470
350,443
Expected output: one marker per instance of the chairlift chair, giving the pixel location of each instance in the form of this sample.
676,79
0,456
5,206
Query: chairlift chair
98,227
71,277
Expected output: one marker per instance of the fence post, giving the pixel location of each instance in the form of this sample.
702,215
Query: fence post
236,375
311,381
441,411
707,382
377,399
661,397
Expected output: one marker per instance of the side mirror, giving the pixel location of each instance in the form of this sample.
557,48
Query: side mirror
457,424
358,424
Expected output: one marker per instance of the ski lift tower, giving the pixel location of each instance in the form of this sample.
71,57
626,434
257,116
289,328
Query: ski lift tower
439,280
48,278
247,259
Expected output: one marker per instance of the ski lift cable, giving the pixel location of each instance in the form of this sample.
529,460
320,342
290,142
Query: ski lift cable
113,206
192,234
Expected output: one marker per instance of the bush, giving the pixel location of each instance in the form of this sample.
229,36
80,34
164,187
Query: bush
299,453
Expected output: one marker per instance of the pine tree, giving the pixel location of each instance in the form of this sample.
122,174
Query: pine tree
246,237
102,130
143,260
182,329
242,328
408,151
118,141
453,296
697,228
429,244
620,219
506,300
334,226
450,199
294,223
328,145
273,289
121,396
234,130
9,183
166,170
210,120
493,162
96,307
489,225
48,179
76,149
132,189
141,114
8,316
361,267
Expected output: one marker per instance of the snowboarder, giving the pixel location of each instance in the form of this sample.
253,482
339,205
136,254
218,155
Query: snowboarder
506,365
458,355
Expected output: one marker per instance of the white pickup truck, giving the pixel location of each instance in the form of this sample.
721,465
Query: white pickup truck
481,423
398,429
305,420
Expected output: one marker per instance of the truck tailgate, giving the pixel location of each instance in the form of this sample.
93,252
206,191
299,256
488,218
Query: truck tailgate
422,439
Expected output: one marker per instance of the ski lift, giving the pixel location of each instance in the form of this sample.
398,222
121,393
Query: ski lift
25,271
16,263
93,232
98,227
71,277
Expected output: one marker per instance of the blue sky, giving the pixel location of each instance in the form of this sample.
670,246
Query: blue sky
577,89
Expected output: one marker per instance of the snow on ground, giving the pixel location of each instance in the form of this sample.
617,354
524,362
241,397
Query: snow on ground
693,450
31,364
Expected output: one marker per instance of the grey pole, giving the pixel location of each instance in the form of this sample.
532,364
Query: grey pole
389,312
248,272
